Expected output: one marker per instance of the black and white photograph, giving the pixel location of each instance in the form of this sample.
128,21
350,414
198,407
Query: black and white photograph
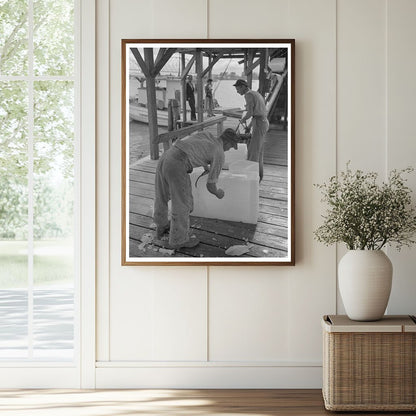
208,152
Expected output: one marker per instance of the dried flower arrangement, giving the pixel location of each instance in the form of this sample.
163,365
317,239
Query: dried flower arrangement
366,215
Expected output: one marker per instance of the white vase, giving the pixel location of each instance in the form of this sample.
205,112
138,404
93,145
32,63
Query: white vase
364,278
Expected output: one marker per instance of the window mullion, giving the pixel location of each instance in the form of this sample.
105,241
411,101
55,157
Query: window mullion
30,178
38,78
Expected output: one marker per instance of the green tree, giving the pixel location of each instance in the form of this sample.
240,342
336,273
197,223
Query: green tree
53,37
13,37
13,209
53,117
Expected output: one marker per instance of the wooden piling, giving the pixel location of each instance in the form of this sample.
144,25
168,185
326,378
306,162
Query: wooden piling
249,73
262,73
183,87
199,86
151,105
173,116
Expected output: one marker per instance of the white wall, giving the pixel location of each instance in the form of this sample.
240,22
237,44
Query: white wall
254,326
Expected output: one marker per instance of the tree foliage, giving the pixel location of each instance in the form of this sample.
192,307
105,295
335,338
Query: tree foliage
14,31
52,117
53,37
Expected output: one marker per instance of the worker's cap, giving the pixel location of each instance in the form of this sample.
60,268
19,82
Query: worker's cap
240,82
209,80
231,136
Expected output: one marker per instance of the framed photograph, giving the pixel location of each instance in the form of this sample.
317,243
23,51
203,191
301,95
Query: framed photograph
208,152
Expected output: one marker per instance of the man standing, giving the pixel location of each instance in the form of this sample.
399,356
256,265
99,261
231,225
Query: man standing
209,98
256,108
173,182
190,96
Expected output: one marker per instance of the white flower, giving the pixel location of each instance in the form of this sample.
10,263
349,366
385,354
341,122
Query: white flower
366,215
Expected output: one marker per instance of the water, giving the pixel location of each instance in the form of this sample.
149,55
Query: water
226,94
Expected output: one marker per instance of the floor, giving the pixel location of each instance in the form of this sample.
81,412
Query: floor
166,402
267,238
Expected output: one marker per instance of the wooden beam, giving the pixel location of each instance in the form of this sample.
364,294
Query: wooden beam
253,66
173,115
160,54
255,55
275,93
151,105
208,70
249,73
211,64
140,61
187,68
199,86
262,73
267,54
183,88
186,131
161,60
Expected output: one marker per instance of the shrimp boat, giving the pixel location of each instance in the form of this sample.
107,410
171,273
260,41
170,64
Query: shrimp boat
167,87
139,113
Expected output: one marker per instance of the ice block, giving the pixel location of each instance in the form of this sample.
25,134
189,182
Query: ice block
233,155
244,166
241,199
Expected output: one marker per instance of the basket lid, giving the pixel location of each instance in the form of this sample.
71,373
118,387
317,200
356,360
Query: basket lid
389,323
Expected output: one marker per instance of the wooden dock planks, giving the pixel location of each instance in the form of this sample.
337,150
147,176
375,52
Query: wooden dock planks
267,238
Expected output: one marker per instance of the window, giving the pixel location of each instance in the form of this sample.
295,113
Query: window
38,185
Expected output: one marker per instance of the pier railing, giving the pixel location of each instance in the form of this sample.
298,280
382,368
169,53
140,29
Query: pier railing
186,131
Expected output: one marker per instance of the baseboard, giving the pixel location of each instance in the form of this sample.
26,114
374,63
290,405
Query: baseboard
170,375
39,378
209,377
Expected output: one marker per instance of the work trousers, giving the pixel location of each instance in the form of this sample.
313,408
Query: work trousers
209,105
191,101
173,183
255,147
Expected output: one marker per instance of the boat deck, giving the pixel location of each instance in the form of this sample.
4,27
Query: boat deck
267,238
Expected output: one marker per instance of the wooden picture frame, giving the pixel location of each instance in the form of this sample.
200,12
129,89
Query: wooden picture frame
254,223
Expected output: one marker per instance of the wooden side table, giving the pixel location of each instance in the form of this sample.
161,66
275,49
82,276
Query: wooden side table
369,366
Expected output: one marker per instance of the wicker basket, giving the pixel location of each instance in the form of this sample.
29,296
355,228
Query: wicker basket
369,366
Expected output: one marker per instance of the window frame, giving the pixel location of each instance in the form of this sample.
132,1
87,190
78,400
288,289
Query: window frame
81,371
